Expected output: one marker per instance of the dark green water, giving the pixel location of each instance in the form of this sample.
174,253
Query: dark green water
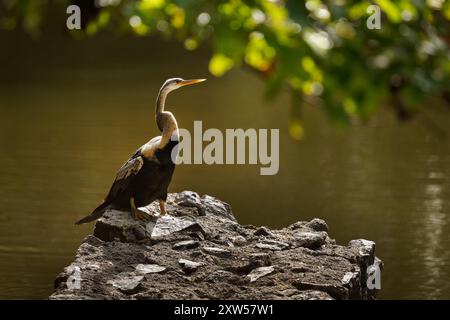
72,112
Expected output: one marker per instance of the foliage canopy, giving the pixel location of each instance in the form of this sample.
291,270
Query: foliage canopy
322,50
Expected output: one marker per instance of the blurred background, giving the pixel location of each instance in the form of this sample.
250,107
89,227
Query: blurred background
363,116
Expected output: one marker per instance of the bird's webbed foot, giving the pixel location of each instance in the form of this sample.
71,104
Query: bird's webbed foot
140,215
137,214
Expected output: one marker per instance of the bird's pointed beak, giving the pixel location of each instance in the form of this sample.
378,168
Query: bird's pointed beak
190,82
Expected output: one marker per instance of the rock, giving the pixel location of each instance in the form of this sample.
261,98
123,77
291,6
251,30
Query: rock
279,244
311,295
317,225
266,246
217,208
149,268
188,244
260,259
297,225
369,264
365,247
239,241
167,225
301,268
310,240
216,251
127,284
289,292
149,294
260,272
262,231
200,235
187,255
119,225
189,266
190,199
349,278
335,291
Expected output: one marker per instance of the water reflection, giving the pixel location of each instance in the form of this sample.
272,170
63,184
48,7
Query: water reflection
435,221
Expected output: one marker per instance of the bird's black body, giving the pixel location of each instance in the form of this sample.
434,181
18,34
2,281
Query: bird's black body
145,180
149,184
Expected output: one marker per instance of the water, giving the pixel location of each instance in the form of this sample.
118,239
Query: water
72,112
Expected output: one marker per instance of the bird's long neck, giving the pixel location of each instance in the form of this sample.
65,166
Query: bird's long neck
165,120
160,104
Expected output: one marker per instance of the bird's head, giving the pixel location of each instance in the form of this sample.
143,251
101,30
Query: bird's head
176,83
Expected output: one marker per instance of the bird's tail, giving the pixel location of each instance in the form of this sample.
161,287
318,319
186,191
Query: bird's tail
97,213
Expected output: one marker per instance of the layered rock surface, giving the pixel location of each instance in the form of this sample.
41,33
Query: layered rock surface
199,251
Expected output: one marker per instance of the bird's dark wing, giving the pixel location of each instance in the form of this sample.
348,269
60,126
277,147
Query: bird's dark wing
125,175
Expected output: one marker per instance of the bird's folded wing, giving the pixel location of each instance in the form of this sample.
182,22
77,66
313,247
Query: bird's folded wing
131,167
125,175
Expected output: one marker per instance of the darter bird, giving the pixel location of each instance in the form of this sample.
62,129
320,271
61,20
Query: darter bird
146,176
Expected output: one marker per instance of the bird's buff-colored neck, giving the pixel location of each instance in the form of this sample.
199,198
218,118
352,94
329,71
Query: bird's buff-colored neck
165,120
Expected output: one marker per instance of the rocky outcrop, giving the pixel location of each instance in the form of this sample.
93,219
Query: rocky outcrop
199,251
